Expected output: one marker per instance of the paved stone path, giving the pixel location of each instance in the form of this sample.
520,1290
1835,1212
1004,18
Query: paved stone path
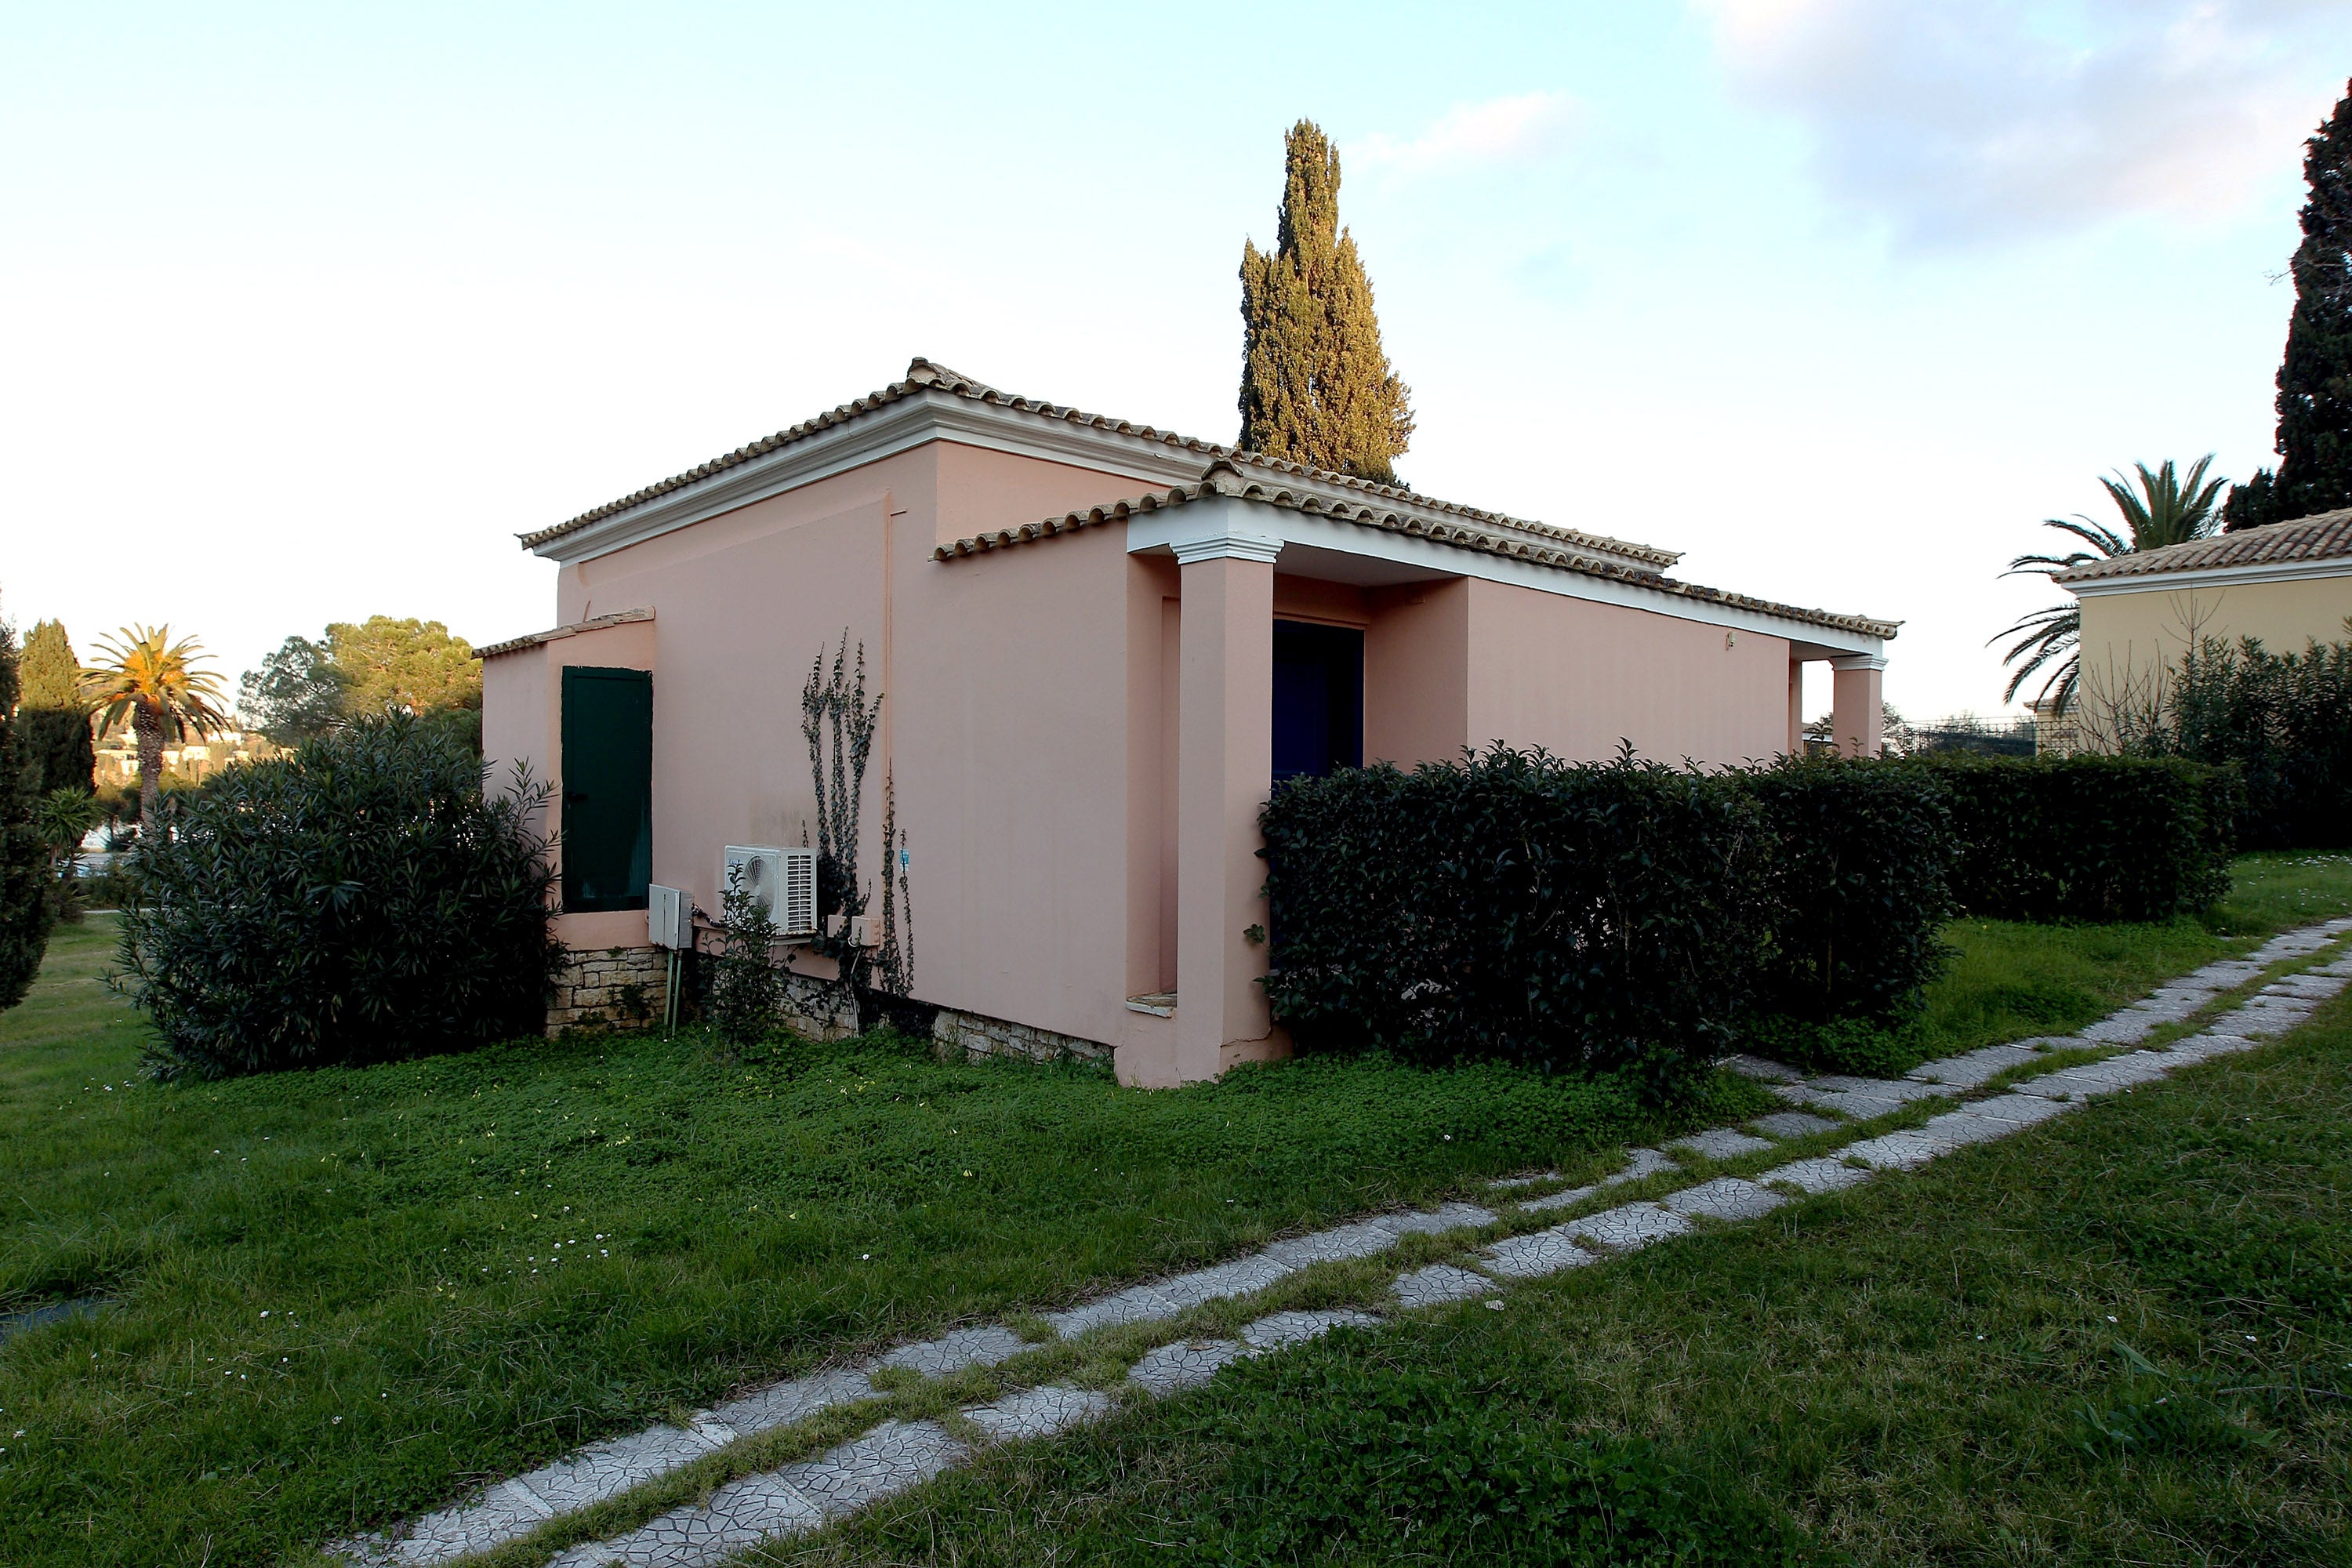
895,1455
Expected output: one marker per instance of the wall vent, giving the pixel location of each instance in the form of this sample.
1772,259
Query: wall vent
783,880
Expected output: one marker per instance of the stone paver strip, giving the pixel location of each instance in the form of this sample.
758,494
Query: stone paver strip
1560,1199
1793,1124
1534,1179
1038,1412
1723,1198
1826,1174
897,1454
1973,1068
1186,1364
957,1349
1758,1068
1536,1254
1438,1284
1720,1143
1628,1226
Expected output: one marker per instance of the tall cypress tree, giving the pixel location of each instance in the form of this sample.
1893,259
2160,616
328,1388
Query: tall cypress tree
2315,381
55,744
24,859
1317,386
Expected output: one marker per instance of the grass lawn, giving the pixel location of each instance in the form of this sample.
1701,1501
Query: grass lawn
334,1298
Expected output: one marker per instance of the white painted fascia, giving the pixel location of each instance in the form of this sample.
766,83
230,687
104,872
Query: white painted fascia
929,416
1197,525
2213,577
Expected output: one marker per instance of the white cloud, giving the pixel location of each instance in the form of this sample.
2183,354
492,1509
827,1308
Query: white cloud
1960,120
1497,131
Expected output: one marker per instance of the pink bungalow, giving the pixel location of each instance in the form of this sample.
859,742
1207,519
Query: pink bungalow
1098,644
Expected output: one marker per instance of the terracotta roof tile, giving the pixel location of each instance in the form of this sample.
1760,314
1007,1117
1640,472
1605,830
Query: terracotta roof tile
1225,477
514,644
2324,537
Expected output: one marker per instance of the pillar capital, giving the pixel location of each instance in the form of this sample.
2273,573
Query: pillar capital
1859,661
1227,544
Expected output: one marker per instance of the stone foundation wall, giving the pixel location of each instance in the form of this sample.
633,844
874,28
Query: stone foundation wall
813,1008
604,987
969,1035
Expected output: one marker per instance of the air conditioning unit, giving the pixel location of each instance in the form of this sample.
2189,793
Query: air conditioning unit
783,880
670,917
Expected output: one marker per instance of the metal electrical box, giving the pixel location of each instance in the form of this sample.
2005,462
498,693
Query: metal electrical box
670,917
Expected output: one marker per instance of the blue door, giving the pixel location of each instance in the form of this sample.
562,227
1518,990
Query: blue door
1318,700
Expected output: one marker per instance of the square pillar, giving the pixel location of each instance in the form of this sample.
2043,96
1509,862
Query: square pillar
1796,708
1224,774
1858,703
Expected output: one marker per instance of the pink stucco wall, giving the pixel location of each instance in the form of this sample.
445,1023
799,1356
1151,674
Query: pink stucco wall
1036,724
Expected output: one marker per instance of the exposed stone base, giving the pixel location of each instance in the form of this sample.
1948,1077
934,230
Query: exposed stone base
971,1036
815,1008
609,988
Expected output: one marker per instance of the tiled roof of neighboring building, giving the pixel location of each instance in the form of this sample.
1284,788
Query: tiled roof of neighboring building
1224,477
515,645
2324,537
923,374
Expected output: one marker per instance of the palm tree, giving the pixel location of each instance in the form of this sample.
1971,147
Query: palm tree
152,680
2167,509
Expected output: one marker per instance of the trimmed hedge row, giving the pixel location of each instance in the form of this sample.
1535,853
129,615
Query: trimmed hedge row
2088,838
1630,916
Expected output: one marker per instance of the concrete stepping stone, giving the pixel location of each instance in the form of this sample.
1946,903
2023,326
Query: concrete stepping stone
1221,1283
1438,1284
2225,974
1956,1129
1282,1330
1793,1124
2019,1110
1905,1150
1136,1304
1723,1198
1720,1143
1039,1412
959,1349
887,1461
1628,1226
2310,985
1971,1069
782,1404
1559,1200
1861,1099
1825,1174
2204,1048
1759,1069
2267,1017
2093,1078
740,1515
1639,1163
1536,1254
1511,1183
1187,1363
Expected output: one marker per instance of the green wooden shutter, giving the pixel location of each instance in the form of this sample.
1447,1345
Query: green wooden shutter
608,787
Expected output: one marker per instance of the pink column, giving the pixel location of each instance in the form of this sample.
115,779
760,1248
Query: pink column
1225,770
1858,703
1796,708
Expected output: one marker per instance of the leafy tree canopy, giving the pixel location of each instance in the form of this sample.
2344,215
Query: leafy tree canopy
48,675
308,688
24,858
1317,386
2314,379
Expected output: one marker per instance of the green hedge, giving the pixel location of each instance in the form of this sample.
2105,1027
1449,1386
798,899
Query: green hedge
2285,721
1864,854
2087,837
357,900
1520,908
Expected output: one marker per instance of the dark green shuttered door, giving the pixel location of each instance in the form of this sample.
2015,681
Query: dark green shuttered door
608,787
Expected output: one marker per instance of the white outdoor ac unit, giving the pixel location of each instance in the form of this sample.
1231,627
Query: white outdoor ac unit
784,880
670,917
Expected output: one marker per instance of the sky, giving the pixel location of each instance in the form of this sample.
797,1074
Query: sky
306,310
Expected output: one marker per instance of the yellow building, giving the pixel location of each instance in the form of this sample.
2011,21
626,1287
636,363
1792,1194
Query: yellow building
2288,584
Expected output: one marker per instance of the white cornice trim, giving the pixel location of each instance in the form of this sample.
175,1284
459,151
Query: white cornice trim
2212,578
899,427
1170,529
1859,661
1225,544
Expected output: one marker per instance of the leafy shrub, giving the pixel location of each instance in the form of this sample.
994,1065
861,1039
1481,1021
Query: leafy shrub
1337,1460
359,900
2284,723
24,911
2086,837
1517,907
747,986
1855,1045
1861,887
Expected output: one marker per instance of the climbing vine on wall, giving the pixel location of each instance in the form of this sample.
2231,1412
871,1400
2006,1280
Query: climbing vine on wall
839,722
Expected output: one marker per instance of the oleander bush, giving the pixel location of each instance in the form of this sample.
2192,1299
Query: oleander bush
361,899
2284,720
1517,907
2087,837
